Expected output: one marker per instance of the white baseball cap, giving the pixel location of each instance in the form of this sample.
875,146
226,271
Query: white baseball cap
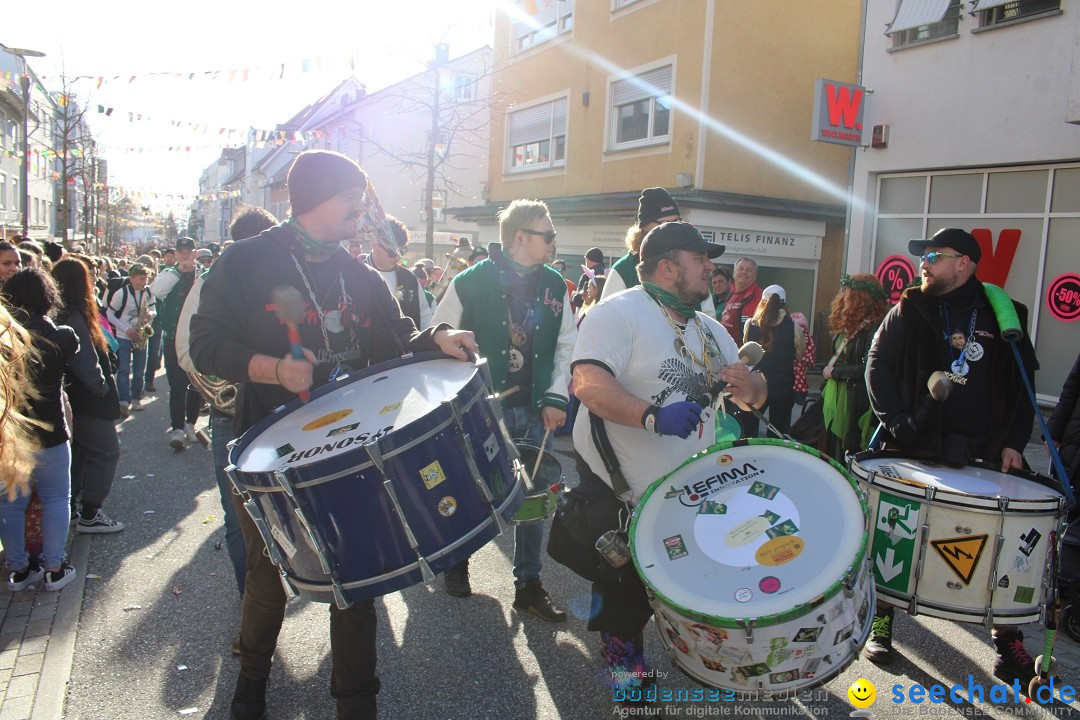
774,290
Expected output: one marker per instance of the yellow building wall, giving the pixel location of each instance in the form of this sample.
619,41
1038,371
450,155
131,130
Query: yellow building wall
766,56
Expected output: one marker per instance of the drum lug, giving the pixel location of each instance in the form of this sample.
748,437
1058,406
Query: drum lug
931,493
281,477
388,484
324,561
289,589
264,532
913,606
999,543
230,472
425,571
748,628
1003,504
339,596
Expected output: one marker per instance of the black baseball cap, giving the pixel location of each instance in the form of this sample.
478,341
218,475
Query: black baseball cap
677,236
185,243
959,240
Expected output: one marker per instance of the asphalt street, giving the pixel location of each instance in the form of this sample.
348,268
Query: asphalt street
160,609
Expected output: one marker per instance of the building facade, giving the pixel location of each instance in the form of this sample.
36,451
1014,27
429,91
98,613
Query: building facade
976,119
710,100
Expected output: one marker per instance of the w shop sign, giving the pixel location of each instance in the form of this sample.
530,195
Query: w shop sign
838,113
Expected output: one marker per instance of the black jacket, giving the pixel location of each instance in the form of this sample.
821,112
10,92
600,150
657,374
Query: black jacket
909,346
235,319
56,346
1064,423
89,382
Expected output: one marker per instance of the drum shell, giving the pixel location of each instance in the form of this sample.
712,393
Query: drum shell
541,501
949,562
348,511
797,648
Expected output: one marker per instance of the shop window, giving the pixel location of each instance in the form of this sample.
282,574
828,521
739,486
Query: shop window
1016,192
902,195
956,193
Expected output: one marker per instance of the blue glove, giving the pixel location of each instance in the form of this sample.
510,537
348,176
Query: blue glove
679,418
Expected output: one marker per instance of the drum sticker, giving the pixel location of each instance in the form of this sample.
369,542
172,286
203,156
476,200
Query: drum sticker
495,482
747,531
763,490
1003,582
783,529
713,665
844,634
809,668
897,520
1022,563
491,447
753,670
675,547
390,408
714,635
777,654
1031,539
283,541
779,678
779,551
432,475
327,420
724,459
678,642
342,430
769,584
285,450
961,554
1024,594
744,595
710,507
807,635
447,506
772,517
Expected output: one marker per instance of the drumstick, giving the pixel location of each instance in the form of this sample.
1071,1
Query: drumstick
539,457
288,308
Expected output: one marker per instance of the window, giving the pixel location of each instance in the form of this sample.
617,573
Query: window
537,136
641,108
463,87
995,12
537,21
918,20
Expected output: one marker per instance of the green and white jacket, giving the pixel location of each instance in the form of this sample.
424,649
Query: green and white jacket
477,300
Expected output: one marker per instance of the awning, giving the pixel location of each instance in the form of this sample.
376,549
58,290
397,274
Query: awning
987,4
916,13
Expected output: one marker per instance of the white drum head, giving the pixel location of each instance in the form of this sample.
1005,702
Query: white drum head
748,531
970,480
358,412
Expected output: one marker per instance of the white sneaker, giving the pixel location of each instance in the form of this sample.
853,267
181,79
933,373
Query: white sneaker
176,439
189,434
136,404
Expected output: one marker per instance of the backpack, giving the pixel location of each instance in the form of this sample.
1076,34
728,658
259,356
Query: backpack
115,285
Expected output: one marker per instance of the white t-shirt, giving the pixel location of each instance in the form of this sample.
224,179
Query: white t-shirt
629,335
426,310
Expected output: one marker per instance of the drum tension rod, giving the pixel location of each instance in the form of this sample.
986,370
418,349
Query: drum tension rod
375,453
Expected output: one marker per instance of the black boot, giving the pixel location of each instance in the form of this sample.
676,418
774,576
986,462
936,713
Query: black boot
1012,661
533,598
249,700
457,580
879,649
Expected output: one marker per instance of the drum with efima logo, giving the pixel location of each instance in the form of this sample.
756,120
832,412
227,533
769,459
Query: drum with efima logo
965,544
382,479
753,553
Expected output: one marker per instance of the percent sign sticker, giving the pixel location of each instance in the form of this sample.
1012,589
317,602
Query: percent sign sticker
1063,297
895,273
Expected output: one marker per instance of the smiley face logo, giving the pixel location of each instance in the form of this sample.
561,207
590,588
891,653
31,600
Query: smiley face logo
862,693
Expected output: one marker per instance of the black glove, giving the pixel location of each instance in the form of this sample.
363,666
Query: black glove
678,418
904,428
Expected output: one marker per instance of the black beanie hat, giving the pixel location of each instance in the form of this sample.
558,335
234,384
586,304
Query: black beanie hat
318,175
654,204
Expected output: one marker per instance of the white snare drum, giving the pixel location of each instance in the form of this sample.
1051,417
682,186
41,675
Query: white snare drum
754,556
963,544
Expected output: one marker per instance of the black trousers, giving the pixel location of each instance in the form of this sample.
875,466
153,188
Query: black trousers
184,400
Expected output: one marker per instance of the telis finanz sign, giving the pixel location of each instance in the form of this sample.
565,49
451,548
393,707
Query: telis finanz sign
838,113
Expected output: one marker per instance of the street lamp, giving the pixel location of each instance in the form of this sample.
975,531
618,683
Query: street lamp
24,169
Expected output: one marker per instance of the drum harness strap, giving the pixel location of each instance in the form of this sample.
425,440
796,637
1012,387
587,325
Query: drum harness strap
611,463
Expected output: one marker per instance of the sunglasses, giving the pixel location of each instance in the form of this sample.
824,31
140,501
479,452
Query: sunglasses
548,235
932,257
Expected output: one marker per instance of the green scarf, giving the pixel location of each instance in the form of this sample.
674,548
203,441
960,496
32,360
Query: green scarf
519,268
310,245
669,300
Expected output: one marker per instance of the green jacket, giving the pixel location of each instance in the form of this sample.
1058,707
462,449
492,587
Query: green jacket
477,300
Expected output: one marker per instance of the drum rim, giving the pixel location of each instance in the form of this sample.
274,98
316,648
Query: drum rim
1045,481
248,436
849,577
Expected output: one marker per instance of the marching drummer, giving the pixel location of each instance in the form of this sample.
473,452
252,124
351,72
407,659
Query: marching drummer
519,309
347,319
947,324
649,371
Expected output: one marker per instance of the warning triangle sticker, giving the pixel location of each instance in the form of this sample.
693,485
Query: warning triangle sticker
961,554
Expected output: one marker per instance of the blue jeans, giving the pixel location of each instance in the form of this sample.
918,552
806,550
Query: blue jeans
525,425
131,371
52,481
221,433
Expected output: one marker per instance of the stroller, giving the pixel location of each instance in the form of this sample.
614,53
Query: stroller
1069,580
